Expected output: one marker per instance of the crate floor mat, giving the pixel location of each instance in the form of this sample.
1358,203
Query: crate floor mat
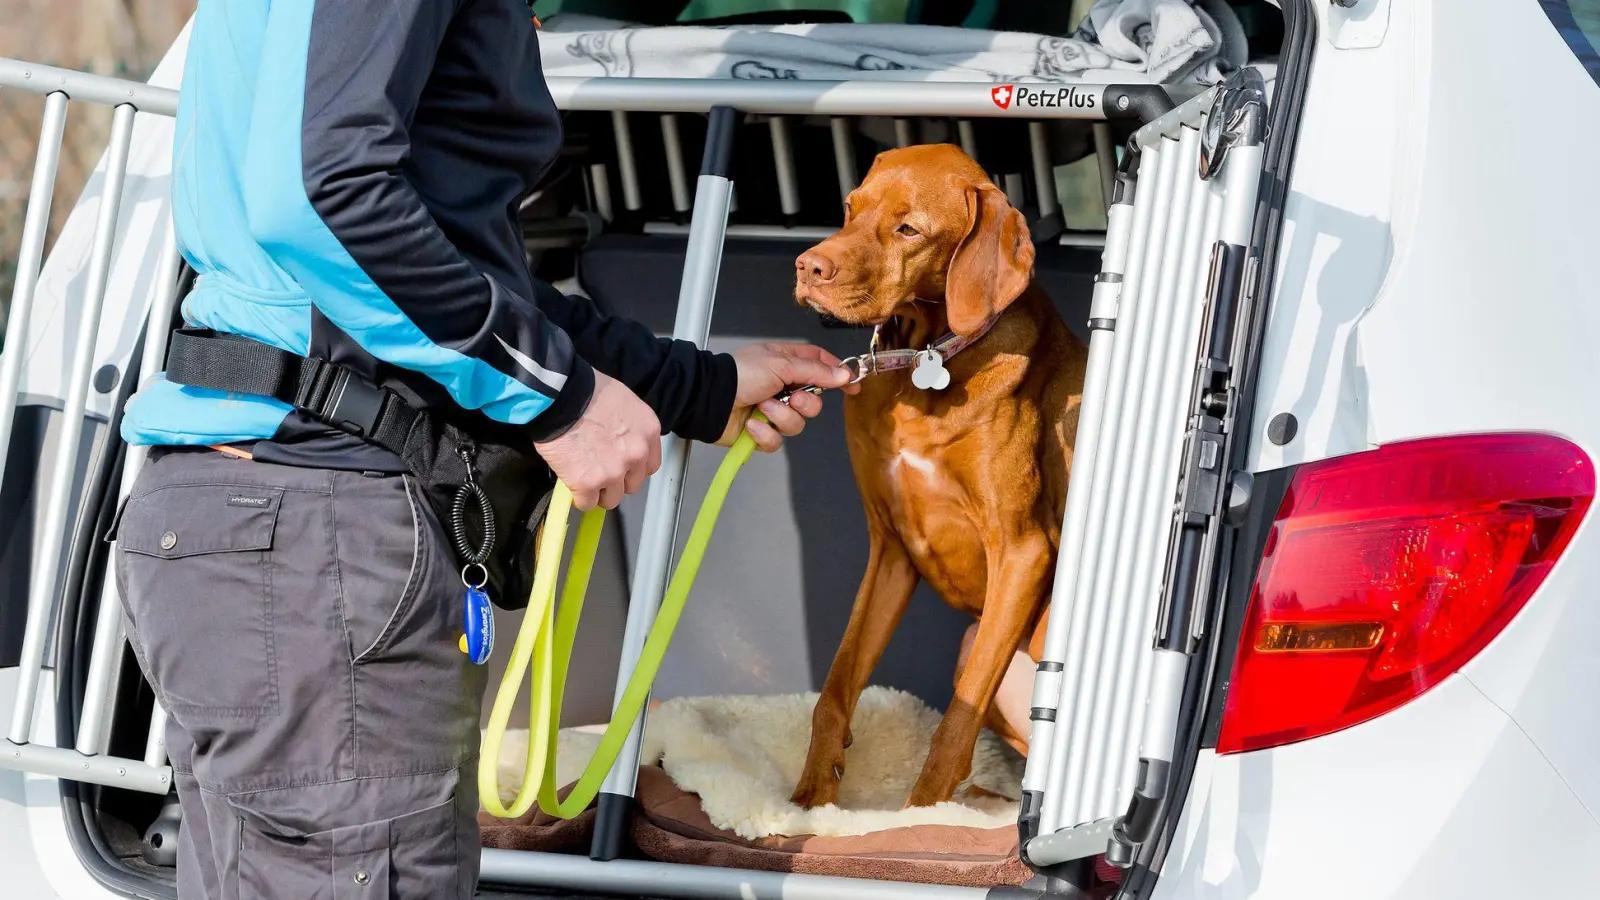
719,770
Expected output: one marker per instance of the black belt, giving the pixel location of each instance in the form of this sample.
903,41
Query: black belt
328,393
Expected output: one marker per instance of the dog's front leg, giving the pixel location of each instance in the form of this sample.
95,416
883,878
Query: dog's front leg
1018,579
885,590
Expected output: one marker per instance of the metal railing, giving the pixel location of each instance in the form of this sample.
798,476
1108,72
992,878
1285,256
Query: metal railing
1108,689
88,760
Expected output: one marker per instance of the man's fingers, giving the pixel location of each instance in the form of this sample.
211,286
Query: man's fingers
611,496
809,351
806,404
584,499
786,420
635,480
803,370
767,439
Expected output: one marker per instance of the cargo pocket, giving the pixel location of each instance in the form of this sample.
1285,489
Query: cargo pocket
195,567
414,855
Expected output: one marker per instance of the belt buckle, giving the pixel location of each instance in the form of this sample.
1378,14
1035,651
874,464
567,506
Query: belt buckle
354,405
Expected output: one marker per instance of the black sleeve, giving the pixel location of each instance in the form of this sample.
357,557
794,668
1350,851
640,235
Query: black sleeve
691,390
370,252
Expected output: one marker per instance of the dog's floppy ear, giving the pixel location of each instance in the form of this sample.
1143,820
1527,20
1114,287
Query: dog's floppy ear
992,265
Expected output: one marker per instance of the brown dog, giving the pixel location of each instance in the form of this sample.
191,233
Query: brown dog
964,487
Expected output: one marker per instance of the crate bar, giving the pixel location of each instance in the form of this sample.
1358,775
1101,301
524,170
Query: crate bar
677,173
968,138
1106,155
1137,102
42,759
903,136
1044,174
1127,370
30,259
1201,482
783,164
1076,632
1143,665
627,165
600,182
677,881
1150,320
1103,311
100,693
45,579
155,743
87,88
1134,588
696,293
844,154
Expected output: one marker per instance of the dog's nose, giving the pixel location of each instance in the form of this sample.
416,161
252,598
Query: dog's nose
814,268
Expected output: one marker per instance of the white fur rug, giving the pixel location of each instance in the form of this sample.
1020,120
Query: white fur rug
742,755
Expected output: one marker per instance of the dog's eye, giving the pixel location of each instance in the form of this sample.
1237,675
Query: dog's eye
906,229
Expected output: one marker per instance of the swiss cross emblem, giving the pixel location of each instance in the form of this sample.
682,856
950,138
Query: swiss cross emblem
1001,96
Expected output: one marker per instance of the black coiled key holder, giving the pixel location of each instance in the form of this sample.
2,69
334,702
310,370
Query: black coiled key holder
473,530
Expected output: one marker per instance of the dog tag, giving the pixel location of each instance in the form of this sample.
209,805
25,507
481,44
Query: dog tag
930,373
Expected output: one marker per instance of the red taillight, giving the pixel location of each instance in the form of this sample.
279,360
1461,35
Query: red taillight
1388,570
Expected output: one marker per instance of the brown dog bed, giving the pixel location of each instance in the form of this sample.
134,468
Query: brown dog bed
717,772
668,824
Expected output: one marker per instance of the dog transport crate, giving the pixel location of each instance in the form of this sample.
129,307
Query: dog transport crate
1177,270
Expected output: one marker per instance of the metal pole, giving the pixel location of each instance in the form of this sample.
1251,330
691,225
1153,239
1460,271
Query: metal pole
47,561
677,174
1105,612
1105,154
967,137
600,180
1044,174
155,743
1068,645
1130,634
30,259
844,155
783,163
100,691
902,133
627,167
696,293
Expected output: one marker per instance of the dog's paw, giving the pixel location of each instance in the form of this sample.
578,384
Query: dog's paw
927,793
817,789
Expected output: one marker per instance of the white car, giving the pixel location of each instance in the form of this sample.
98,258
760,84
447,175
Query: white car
1320,627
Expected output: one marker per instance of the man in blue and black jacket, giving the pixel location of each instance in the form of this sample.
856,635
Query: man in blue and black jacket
346,186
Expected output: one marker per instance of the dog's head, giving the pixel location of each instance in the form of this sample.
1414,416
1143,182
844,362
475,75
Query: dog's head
926,224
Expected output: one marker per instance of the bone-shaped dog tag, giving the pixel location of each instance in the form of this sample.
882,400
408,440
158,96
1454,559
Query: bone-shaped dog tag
930,373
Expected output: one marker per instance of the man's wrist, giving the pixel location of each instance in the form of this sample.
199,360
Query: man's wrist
568,407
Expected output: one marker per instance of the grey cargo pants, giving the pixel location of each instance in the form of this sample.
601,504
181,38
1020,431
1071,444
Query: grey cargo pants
300,627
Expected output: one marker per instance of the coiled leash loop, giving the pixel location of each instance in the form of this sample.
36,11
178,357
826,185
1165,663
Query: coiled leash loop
477,639
544,644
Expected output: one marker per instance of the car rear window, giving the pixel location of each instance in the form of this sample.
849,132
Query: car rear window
1579,24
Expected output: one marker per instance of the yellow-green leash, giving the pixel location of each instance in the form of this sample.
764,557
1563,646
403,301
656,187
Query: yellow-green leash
544,643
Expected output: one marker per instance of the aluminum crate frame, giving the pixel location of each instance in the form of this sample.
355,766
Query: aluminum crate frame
723,101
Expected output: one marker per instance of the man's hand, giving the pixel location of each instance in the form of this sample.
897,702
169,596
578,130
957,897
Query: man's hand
610,451
764,371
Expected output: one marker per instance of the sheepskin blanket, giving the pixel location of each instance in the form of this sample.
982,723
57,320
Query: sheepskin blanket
742,755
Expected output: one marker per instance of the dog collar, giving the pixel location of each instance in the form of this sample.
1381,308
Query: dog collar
929,372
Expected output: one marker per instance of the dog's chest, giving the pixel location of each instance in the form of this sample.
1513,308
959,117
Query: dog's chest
939,521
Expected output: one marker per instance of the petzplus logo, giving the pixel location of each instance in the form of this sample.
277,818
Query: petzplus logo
1002,96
